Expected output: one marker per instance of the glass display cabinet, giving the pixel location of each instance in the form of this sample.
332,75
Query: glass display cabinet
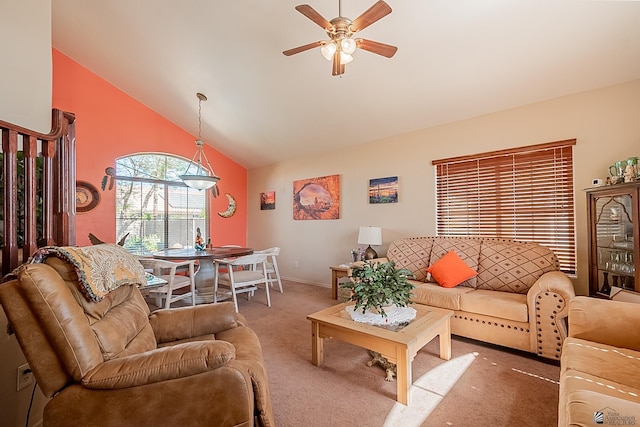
614,240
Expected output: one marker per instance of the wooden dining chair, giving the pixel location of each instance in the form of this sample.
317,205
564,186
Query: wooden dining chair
233,274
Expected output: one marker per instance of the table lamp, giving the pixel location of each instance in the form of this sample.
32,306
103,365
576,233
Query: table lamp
370,236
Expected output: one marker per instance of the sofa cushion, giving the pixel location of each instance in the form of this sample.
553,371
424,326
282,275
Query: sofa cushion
119,322
436,296
513,266
505,305
412,254
449,271
467,249
602,361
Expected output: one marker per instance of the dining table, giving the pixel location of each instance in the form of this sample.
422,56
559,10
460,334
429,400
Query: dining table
204,278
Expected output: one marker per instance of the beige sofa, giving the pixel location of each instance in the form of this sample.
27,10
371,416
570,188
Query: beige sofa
518,299
600,364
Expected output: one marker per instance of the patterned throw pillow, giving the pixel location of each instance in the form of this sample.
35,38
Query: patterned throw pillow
513,267
468,249
412,254
449,271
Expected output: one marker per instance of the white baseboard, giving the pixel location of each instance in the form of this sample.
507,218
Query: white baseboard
306,282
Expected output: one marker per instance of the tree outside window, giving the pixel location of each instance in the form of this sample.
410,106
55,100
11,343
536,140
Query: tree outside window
154,206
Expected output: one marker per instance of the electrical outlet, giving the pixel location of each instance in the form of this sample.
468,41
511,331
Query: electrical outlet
295,263
24,377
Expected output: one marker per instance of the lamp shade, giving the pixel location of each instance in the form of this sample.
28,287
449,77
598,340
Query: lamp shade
370,236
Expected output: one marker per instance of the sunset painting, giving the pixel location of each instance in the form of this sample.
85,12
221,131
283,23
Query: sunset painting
383,190
268,200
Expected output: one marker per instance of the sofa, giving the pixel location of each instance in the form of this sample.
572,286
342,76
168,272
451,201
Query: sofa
517,299
103,359
600,364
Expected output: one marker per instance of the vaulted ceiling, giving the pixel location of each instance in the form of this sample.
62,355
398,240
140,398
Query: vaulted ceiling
456,59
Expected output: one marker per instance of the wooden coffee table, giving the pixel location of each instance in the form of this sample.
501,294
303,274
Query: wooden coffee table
398,346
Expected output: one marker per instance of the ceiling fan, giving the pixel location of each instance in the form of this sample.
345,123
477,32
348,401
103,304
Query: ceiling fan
340,30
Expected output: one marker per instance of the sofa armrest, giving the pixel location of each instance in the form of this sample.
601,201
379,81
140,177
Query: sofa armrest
548,306
181,360
175,324
607,322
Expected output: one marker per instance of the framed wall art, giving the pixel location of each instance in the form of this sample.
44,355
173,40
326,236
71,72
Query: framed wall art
267,201
317,198
383,190
87,196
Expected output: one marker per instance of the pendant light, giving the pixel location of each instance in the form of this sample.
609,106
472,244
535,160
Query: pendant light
204,178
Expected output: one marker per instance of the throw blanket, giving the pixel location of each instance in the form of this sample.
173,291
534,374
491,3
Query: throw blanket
100,268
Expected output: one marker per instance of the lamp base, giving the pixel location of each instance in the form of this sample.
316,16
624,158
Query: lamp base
369,253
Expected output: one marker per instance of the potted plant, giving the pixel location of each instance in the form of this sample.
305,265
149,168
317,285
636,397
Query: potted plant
378,285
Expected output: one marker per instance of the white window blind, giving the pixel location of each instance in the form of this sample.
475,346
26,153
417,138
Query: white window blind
524,194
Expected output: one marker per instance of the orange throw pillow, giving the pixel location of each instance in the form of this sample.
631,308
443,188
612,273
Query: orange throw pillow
449,271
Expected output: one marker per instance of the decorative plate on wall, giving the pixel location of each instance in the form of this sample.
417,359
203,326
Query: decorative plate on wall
87,196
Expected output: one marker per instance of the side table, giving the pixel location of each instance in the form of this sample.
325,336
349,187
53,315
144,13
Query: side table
338,272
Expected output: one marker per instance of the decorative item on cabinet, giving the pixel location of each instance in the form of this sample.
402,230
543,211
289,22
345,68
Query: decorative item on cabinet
624,171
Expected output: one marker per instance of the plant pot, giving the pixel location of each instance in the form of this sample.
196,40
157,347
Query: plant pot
388,308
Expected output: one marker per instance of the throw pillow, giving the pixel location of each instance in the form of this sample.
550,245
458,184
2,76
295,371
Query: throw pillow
449,271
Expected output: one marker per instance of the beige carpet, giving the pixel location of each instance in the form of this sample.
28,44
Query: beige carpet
481,385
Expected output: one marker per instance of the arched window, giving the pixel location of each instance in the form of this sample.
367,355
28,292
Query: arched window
154,206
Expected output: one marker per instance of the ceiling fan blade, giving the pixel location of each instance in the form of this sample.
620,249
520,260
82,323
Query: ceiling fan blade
311,13
378,11
301,48
377,47
337,68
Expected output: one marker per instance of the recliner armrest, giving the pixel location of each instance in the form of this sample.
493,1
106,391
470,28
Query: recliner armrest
178,361
175,324
607,322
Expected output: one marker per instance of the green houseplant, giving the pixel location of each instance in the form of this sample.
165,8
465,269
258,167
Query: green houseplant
377,285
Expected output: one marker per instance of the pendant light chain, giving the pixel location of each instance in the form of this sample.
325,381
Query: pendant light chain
200,115
200,181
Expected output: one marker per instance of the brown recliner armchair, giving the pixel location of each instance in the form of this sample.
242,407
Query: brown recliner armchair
113,363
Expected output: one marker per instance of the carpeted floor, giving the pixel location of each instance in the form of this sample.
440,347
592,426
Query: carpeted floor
482,385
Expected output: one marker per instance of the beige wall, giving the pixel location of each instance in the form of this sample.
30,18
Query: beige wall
604,122
25,99
25,86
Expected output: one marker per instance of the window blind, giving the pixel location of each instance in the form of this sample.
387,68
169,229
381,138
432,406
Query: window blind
523,194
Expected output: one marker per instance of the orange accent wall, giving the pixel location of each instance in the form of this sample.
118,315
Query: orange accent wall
111,124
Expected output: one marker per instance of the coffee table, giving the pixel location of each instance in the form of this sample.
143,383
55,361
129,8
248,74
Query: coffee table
399,345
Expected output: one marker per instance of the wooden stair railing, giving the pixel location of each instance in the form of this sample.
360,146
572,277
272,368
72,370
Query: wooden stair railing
42,208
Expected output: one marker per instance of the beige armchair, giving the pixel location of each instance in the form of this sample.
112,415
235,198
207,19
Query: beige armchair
112,363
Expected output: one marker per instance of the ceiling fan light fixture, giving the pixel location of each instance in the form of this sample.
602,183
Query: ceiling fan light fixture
345,58
348,45
328,49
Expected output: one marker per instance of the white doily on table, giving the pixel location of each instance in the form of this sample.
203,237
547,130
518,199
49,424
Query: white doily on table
395,315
